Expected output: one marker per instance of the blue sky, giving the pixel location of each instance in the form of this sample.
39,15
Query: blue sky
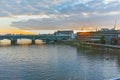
59,14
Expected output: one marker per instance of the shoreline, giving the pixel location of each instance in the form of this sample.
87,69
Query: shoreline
90,45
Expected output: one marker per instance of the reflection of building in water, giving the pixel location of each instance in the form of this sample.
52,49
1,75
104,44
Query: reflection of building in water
110,57
118,61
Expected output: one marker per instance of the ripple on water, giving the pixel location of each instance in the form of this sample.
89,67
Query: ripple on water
57,62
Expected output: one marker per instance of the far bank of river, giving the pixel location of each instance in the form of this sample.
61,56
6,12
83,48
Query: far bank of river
90,45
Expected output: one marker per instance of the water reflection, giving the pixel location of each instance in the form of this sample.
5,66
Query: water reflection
57,62
24,42
100,62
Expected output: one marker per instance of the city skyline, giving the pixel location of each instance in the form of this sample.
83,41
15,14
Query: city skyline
24,15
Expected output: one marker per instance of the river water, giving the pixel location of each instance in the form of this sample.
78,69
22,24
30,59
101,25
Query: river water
57,62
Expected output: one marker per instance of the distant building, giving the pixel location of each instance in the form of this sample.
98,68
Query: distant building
88,36
109,35
69,33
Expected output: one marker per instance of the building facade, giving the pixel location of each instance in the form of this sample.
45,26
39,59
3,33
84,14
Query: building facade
110,37
69,33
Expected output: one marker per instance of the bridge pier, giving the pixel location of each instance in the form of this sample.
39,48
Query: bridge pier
13,42
47,41
33,41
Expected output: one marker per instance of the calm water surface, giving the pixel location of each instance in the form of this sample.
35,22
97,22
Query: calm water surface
57,62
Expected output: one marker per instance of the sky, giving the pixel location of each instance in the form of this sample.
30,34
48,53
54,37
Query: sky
58,14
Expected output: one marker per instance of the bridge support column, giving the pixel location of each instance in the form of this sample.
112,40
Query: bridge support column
13,42
33,41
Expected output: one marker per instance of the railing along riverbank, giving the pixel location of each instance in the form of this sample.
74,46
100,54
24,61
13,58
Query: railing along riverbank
91,45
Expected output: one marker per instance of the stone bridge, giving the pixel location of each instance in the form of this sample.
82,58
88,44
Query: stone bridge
45,38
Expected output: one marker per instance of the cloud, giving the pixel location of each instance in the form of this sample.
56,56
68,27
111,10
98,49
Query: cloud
59,14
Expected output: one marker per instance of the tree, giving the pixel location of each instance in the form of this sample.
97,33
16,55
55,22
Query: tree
102,39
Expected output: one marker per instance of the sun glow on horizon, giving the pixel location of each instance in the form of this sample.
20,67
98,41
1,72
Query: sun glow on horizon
14,31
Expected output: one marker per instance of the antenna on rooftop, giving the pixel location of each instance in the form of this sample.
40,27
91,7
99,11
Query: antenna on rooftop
115,23
82,29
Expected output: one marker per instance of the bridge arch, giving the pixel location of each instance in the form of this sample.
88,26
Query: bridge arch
39,41
24,41
5,42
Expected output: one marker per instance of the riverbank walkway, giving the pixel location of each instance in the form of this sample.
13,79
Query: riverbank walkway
95,45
